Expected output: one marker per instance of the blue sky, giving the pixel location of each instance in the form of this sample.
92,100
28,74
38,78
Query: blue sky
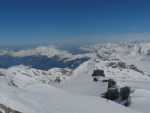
73,21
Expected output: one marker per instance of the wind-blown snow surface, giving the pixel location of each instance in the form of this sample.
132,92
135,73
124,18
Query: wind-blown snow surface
47,99
83,84
29,95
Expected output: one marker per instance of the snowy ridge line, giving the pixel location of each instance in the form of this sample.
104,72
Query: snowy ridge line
23,76
127,50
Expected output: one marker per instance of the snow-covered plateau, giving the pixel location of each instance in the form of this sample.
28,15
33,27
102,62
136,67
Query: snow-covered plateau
64,90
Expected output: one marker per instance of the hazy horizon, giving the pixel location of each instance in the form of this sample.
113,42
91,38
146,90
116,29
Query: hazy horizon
82,21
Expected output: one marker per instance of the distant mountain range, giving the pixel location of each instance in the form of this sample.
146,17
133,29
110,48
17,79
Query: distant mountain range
46,57
45,79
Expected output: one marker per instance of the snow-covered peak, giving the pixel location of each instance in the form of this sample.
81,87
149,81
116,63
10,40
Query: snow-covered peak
23,76
60,71
106,51
139,49
145,48
107,46
131,43
133,50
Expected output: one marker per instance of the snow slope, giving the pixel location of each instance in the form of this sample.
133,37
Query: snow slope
30,90
78,95
23,76
47,99
140,97
82,82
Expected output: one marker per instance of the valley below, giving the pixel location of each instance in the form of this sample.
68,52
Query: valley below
71,86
